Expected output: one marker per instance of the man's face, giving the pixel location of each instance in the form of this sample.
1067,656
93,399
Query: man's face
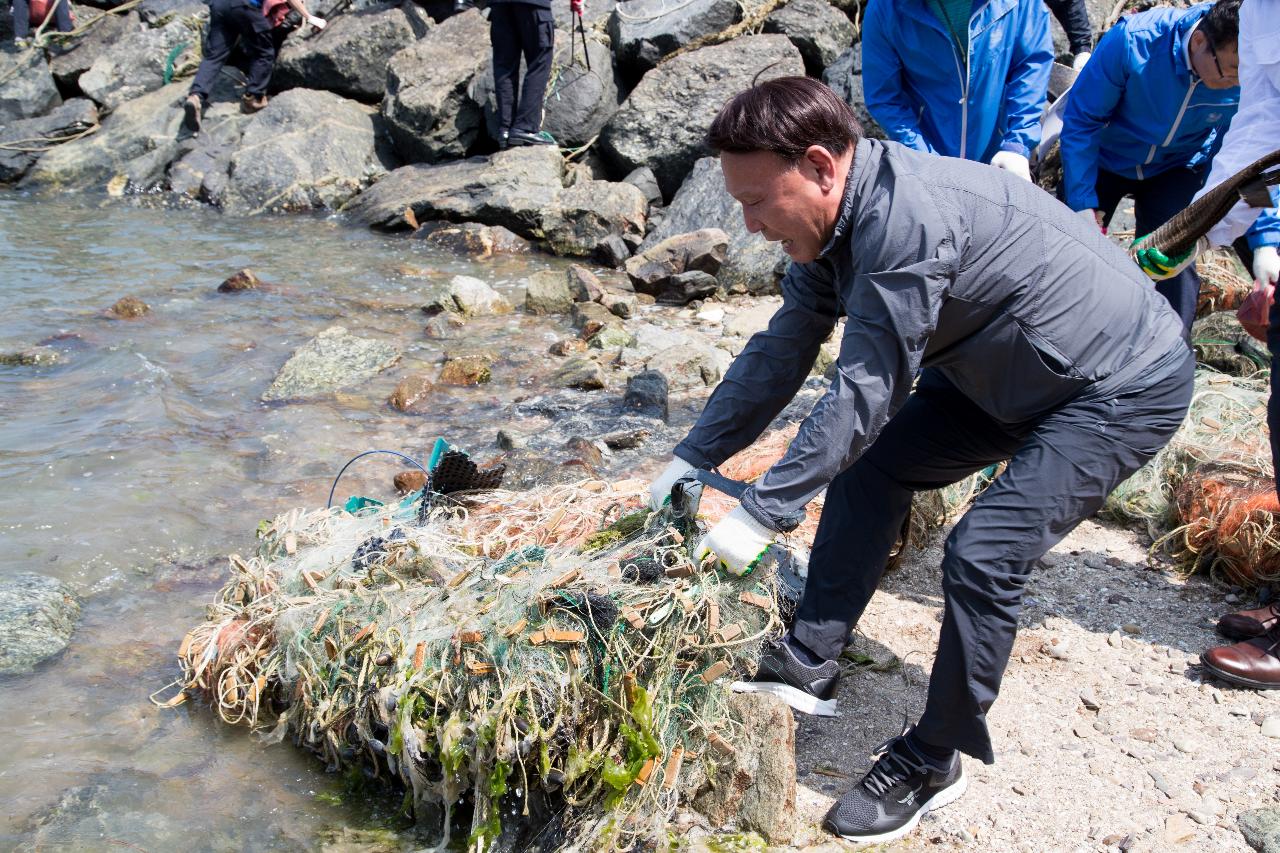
1218,68
783,201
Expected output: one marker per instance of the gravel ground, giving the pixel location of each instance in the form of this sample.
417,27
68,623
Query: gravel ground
1114,740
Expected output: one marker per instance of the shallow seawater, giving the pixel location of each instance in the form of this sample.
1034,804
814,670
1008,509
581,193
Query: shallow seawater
136,463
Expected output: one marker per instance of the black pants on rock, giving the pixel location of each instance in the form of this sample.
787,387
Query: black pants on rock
22,18
232,21
515,30
1155,201
1060,471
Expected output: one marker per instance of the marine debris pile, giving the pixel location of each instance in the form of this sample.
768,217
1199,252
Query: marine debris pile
1208,498
549,662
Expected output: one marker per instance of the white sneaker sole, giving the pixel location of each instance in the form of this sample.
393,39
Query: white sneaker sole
945,797
803,702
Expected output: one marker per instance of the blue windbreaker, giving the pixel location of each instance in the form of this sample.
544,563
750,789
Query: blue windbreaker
1138,109
929,97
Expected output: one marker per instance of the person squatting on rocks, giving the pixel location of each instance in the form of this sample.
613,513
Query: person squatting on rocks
258,28
1073,15
1035,340
962,78
522,28
1254,661
1145,118
23,13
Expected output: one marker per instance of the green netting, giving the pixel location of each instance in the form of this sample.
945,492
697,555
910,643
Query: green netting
542,679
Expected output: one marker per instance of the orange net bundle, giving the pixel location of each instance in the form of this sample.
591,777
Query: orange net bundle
1230,524
1222,287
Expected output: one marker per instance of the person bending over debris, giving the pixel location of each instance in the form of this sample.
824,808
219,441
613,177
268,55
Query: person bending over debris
247,25
1036,341
1146,117
960,78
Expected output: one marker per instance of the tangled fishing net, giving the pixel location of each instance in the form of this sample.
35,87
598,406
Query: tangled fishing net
537,670
1222,343
1208,497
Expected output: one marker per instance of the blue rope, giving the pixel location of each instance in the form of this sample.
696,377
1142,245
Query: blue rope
408,459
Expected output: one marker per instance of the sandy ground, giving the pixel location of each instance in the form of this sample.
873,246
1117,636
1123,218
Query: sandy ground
1115,741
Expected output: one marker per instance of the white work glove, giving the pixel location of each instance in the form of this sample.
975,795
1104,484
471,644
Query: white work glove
738,542
660,489
318,23
1013,162
1266,265
1078,61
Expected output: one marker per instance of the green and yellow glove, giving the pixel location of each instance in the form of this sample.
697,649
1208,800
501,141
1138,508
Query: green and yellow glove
1157,265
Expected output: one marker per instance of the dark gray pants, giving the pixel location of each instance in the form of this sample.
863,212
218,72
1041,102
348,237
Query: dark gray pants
234,23
515,30
1060,471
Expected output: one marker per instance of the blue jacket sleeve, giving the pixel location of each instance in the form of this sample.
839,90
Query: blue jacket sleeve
1027,88
1090,103
883,81
1265,230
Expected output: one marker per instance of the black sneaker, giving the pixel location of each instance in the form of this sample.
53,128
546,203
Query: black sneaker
808,689
191,107
528,137
901,786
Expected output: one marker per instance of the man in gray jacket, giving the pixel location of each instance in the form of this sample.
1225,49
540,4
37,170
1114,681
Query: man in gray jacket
1028,336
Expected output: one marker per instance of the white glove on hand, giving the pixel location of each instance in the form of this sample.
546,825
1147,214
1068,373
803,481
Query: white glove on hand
1011,161
1266,265
660,489
738,542
318,23
1078,61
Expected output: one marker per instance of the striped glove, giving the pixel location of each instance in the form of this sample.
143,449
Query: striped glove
738,542
1157,265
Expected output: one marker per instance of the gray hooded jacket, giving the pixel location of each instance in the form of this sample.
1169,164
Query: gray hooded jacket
944,264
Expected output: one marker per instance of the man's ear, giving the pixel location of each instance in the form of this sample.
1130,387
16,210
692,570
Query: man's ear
823,165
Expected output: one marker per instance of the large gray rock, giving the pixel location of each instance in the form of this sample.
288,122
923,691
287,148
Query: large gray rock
751,264
1261,829
135,144
692,364
201,171
428,110
332,360
844,76
512,189
644,31
69,64
578,102
755,785
37,617
306,150
818,30
27,89
663,122
157,13
135,64
351,56
653,270
74,116
581,218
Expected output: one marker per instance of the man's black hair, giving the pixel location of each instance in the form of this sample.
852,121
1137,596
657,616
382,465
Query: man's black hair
785,115
1222,23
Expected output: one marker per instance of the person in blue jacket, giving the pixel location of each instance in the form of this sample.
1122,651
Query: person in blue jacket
1146,116
961,78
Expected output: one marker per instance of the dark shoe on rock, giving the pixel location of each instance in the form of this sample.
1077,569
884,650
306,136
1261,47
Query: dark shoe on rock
1247,624
528,137
253,103
806,688
901,787
191,114
1253,663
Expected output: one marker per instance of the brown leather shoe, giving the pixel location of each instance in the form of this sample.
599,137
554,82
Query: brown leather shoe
252,103
1247,624
1254,663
